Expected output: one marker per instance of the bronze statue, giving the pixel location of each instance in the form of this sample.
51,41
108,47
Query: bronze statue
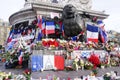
71,21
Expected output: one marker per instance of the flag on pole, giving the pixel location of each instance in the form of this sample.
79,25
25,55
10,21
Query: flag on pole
102,32
10,37
10,45
101,24
39,35
20,59
63,33
74,38
92,33
39,23
103,36
43,26
50,27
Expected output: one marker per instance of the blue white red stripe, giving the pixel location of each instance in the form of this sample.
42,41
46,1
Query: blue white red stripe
92,33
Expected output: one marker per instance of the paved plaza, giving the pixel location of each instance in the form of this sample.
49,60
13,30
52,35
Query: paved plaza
61,74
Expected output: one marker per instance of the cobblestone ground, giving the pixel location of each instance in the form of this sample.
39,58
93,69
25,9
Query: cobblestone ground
73,74
62,74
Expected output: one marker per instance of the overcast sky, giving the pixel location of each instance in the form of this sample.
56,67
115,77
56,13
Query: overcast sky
111,7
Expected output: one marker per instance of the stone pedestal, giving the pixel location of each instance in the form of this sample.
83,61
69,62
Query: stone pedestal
33,8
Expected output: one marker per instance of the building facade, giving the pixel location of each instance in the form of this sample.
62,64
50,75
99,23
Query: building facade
32,8
4,31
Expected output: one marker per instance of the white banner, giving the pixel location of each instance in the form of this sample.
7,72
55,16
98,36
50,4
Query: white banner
100,53
87,53
24,38
75,53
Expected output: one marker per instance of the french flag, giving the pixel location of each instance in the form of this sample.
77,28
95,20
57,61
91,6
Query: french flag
50,27
63,33
101,24
10,36
92,33
39,23
102,32
43,26
10,45
103,36
20,58
39,35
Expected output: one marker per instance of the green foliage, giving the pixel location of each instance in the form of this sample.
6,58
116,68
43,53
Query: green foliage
88,65
26,56
7,56
106,77
95,71
0,46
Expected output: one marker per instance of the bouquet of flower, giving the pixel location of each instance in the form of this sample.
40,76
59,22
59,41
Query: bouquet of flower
94,60
50,43
107,76
88,65
113,62
95,71
27,74
102,64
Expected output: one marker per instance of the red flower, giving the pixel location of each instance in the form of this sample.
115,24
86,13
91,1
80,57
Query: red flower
56,43
94,60
27,71
44,43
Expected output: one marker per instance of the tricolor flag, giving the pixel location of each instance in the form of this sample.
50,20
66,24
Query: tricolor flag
101,24
63,33
20,58
39,23
43,26
92,33
10,36
39,35
103,36
50,27
102,32
74,38
47,62
10,45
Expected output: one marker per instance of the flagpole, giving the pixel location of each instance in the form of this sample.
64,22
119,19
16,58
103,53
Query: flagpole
46,31
85,31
